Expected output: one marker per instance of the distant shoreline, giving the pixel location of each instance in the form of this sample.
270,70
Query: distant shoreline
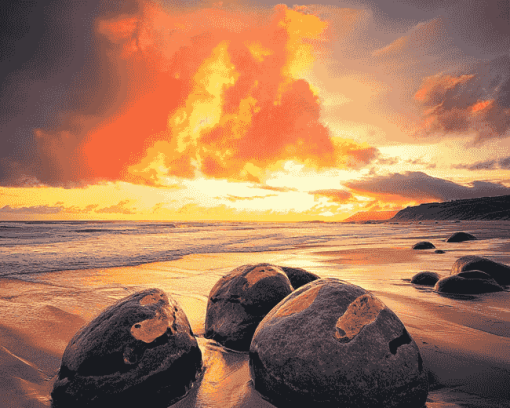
473,209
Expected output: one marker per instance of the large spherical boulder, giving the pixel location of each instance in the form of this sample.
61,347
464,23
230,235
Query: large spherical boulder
333,344
139,352
298,276
460,237
498,271
240,300
457,284
424,245
425,278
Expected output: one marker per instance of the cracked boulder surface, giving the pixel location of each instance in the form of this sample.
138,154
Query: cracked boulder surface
138,352
240,300
333,344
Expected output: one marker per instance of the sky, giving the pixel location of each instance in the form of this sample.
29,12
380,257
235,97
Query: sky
250,110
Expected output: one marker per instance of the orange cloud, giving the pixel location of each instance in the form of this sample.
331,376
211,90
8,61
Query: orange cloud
434,89
233,198
453,105
119,208
338,196
203,91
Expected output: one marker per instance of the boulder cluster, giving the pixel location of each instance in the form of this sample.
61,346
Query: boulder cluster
311,342
455,237
469,274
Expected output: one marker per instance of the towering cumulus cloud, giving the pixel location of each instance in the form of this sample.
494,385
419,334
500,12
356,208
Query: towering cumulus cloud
216,92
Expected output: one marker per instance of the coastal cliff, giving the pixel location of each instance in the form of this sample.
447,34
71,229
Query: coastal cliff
484,208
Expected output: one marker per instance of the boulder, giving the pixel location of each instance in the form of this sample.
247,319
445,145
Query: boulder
460,237
466,286
139,352
240,300
333,344
498,271
439,251
474,275
425,278
298,276
424,245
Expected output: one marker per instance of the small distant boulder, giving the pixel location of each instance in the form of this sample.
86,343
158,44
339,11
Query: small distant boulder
439,251
425,278
240,300
461,237
333,344
459,285
498,271
424,245
298,276
139,352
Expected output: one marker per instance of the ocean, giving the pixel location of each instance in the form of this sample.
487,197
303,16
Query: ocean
31,247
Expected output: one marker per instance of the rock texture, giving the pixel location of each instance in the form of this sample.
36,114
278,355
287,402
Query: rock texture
332,344
460,237
498,271
424,245
485,208
240,300
139,352
474,275
471,285
425,278
298,276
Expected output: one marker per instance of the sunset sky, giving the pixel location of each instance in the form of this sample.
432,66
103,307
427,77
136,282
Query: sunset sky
250,110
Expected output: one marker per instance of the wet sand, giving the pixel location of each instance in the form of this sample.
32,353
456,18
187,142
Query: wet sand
464,340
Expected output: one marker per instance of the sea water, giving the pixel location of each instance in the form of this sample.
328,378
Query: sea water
28,248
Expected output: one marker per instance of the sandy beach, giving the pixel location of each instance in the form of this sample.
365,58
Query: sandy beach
464,340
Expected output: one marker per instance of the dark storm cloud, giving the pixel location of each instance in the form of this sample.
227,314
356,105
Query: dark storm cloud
420,186
49,67
475,99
